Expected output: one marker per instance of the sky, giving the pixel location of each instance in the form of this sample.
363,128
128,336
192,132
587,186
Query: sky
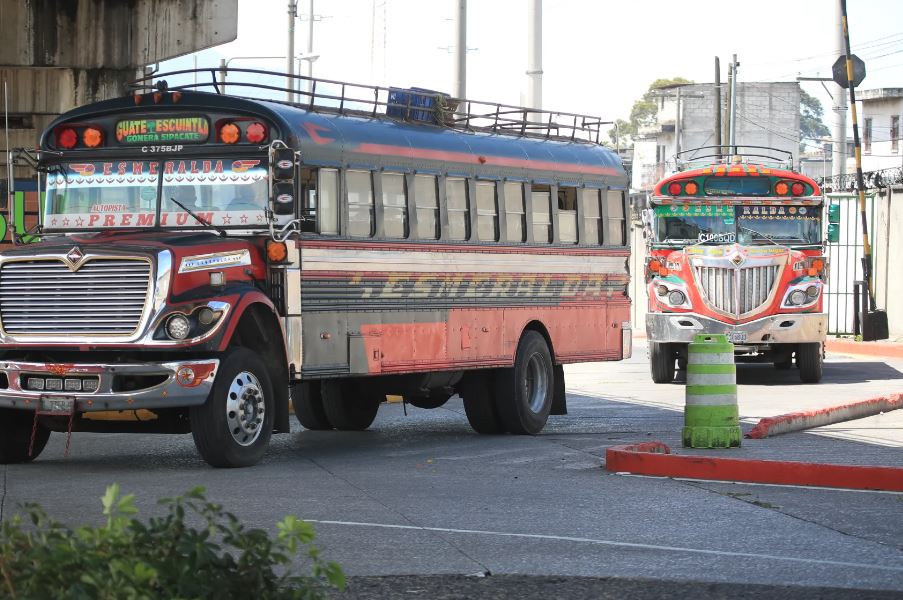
598,56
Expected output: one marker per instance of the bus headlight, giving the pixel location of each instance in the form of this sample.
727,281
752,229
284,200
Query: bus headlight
812,292
178,327
797,298
676,298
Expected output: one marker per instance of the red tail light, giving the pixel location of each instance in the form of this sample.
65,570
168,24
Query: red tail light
229,133
797,189
92,137
66,138
674,188
256,132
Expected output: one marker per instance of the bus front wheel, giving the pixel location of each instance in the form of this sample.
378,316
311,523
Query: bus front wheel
661,362
15,436
524,393
809,361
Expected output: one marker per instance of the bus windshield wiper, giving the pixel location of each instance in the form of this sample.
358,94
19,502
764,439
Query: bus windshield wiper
222,232
759,233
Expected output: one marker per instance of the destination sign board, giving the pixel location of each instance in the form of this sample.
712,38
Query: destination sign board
169,129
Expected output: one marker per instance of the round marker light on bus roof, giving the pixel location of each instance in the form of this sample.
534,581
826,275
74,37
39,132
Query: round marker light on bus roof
797,189
256,132
66,138
781,188
691,188
178,327
229,133
674,188
92,137
676,298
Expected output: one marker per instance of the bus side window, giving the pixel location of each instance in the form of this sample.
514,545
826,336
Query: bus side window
360,203
540,199
328,213
426,197
590,201
394,205
309,199
515,212
614,218
458,208
567,215
487,212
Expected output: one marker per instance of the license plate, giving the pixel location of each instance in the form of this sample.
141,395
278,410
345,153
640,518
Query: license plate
57,405
737,337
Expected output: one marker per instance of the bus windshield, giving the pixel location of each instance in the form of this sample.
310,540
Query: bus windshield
126,194
748,224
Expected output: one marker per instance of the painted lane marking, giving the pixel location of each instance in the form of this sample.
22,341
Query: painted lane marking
614,544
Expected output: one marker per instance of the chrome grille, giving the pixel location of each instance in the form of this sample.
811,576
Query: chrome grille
737,291
103,297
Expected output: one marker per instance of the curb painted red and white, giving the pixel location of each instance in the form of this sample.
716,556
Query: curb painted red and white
879,349
655,459
799,421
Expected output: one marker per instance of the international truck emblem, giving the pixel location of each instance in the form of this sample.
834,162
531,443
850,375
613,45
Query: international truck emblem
74,258
737,259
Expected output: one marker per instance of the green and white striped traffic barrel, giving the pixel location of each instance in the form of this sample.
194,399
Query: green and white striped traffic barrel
711,417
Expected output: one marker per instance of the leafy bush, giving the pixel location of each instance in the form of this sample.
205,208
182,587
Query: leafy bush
162,558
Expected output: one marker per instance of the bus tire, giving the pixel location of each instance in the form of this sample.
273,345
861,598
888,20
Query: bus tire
479,404
15,436
308,405
233,427
524,393
809,361
661,362
349,407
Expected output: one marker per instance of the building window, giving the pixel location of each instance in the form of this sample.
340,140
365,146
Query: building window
590,209
426,197
541,207
395,208
567,215
487,212
615,234
894,133
867,135
515,214
360,203
328,214
458,208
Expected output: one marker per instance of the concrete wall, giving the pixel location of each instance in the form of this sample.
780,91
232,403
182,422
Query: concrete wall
888,243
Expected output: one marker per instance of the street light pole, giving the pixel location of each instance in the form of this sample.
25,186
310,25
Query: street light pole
290,80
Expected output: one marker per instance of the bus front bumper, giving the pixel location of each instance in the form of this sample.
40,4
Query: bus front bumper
774,329
103,387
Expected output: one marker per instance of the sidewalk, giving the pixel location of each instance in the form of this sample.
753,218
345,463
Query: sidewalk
884,348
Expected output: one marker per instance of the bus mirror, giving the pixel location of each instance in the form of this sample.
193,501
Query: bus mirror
834,213
283,164
283,198
833,233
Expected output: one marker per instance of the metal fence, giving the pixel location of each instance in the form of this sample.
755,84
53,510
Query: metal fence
845,258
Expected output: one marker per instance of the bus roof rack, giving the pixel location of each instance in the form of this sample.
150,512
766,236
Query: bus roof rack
408,104
736,154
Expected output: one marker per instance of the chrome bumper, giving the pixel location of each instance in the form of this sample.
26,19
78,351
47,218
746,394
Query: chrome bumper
176,389
774,329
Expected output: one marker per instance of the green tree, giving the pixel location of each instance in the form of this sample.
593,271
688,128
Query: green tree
643,113
811,125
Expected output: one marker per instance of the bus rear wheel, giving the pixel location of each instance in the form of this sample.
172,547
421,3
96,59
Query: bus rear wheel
233,427
523,393
15,436
809,361
308,405
348,406
661,362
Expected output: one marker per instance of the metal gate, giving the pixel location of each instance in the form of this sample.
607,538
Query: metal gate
845,258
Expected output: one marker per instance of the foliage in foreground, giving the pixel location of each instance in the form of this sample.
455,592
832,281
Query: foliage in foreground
163,558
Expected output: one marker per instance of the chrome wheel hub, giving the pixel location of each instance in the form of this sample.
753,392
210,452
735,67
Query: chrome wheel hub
245,408
535,383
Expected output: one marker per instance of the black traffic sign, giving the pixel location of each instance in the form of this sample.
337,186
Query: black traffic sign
839,71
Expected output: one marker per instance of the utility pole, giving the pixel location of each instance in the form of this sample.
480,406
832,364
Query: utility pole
460,73
733,123
725,122
839,131
534,54
717,102
290,79
677,126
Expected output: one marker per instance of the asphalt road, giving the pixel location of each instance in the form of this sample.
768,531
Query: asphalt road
421,494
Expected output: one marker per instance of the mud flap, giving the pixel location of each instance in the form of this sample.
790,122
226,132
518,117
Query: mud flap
559,399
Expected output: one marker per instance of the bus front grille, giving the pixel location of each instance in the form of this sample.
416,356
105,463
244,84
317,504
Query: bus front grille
737,291
45,298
